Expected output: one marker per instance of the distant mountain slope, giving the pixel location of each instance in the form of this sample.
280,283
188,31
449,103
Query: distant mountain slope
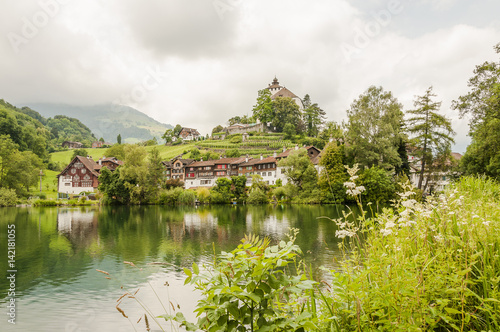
32,132
109,120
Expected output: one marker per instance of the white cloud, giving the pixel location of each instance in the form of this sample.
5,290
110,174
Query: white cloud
212,64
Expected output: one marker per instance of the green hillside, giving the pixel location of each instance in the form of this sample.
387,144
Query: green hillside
109,120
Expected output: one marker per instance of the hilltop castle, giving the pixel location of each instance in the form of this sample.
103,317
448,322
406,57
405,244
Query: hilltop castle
280,91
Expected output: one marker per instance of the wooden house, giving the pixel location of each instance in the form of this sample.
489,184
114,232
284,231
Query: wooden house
80,175
72,145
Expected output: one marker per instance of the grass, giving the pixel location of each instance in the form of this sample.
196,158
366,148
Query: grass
49,185
431,266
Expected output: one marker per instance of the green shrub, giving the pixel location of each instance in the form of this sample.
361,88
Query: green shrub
251,289
186,197
42,202
257,196
203,195
171,196
431,266
8,197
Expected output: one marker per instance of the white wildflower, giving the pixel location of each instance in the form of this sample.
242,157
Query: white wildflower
342,233
486,222
439,238
386,231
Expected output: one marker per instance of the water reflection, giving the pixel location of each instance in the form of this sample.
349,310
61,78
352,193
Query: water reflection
58,250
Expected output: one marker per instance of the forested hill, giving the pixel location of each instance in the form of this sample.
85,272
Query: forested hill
33,132
109,120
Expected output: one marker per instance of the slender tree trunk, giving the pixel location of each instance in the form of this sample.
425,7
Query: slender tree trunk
424,152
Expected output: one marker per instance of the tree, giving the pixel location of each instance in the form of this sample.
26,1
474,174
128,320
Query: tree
101,140
217,129
299,170
117,151
286,111
167,136
79,152
289,131
113,187
119,139
332,130
264,110
233,153
7,151
430,130
177,130
314,116
482,104
334,174
374,129
155,174
379,186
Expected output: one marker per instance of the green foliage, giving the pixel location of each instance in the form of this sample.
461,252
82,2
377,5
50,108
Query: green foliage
78,152
334,174
374,129
187,197
113,187
251,289
263,110
117,151
236,139
233,153
8,197
286,111
429,267
221,192
314,116
170,196
194,154
119,139
257,196
379,186
300,171
482,104
430,131
289,131
238,187
217,129
203,195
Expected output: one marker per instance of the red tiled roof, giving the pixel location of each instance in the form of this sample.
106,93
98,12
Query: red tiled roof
89,163
284,93
258,161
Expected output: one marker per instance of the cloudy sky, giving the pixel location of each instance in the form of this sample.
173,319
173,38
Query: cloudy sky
200,62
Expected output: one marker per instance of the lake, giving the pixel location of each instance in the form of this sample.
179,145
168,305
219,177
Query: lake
58,251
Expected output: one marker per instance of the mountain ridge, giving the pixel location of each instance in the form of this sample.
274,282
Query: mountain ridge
108,120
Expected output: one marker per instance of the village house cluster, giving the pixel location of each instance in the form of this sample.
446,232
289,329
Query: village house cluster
205,173
82,173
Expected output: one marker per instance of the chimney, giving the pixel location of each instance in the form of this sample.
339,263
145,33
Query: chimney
284,148
100,161
274,154
296,146
261,156
246,159
201,159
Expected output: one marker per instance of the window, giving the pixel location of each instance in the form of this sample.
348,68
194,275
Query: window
84,171
73,170
67,184
190,175
220,173
269,174
241,168
86,183
249,168
205,181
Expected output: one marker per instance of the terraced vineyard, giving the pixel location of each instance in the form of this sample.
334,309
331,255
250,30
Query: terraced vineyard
255,145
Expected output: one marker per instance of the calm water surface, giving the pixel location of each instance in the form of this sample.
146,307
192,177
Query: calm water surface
59,249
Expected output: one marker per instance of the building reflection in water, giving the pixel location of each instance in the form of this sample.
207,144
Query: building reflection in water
78,225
